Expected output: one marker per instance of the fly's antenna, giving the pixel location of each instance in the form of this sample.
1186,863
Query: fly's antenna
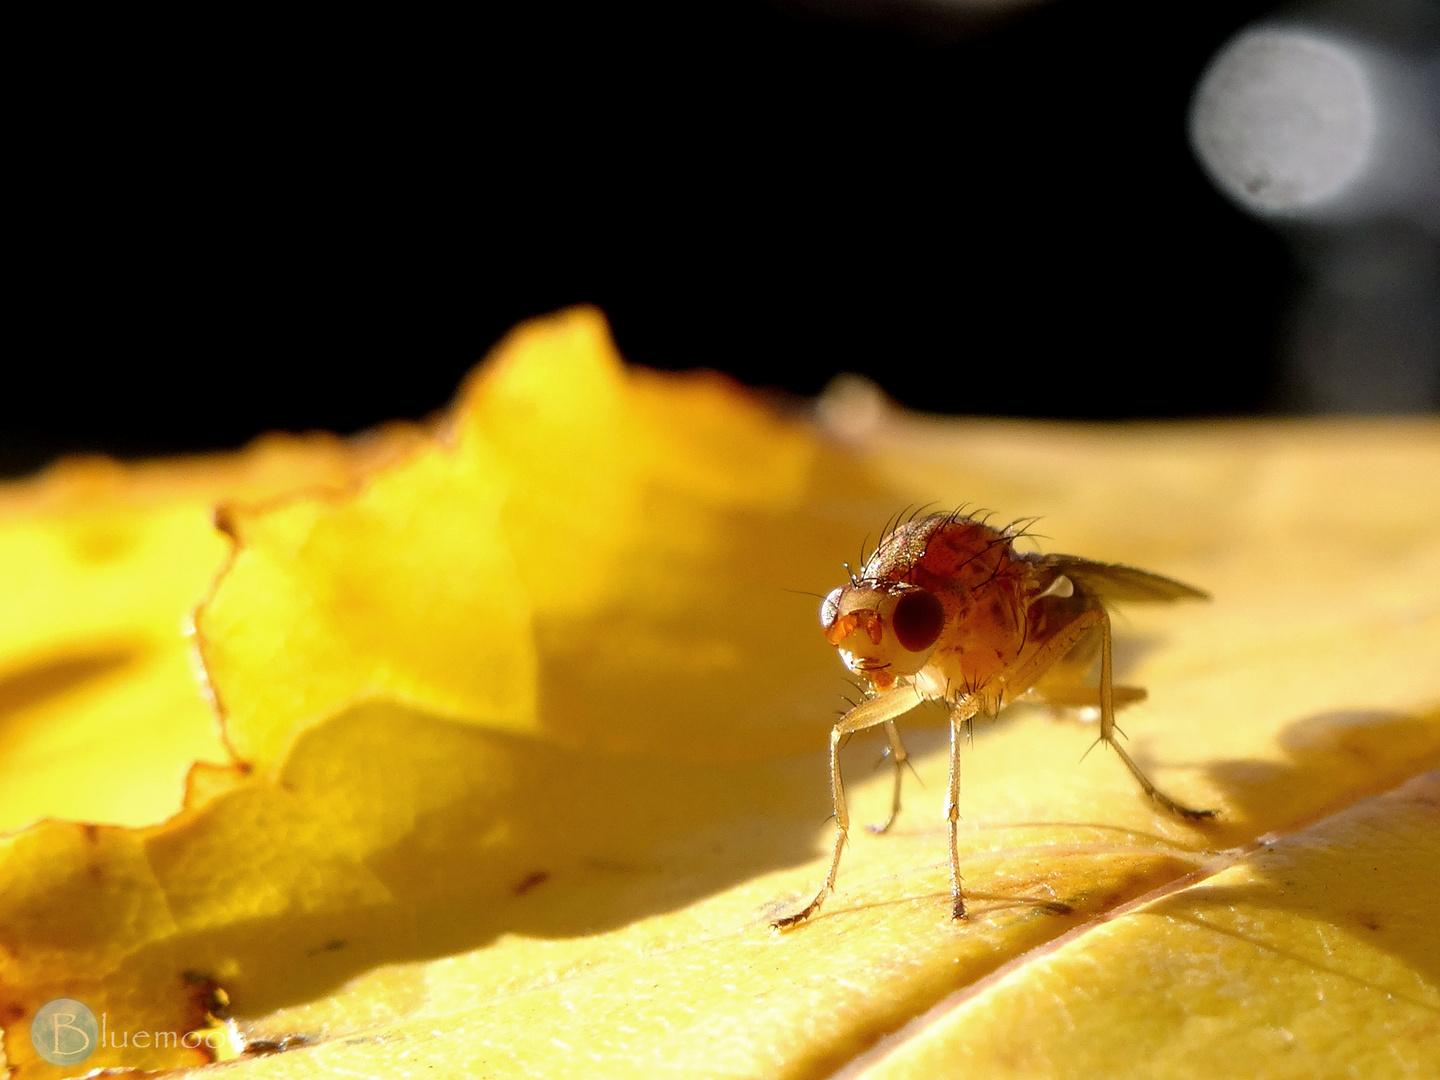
853,579
804,592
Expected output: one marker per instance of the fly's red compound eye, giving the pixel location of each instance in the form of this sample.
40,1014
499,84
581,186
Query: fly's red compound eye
918,620
830,608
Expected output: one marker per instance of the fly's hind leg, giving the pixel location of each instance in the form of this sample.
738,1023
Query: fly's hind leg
899,758
1178,809
1107,732
881,709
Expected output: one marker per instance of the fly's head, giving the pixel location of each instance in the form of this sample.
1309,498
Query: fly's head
883,633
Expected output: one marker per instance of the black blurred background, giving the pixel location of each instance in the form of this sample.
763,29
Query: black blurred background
258,222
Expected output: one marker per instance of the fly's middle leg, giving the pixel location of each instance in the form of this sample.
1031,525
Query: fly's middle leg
899,758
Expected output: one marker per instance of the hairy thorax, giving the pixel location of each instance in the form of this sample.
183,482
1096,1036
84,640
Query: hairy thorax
996,607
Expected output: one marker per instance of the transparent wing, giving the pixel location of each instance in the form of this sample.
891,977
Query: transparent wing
1118,584
1076,695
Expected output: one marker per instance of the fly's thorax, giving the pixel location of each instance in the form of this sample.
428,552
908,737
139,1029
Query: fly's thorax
882,632
991,631
941,550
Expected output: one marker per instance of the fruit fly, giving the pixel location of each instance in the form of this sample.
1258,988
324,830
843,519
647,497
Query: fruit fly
947,610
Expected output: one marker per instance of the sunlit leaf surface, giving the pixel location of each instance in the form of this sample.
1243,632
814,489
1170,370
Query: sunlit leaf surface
101,566
534,722
585,544
1316,955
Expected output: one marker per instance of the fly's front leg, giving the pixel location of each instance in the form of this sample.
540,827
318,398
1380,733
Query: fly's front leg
958,715
881,709
898,758
1107,732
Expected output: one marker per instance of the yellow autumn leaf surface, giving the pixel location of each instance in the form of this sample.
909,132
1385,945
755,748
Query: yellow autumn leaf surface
101,566
580,546
534,728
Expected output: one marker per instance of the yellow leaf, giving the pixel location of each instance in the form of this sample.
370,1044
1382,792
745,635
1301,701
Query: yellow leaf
589,543
402,588
540,737
1316,955
100,712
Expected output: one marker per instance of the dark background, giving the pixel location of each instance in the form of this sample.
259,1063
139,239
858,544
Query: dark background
227,228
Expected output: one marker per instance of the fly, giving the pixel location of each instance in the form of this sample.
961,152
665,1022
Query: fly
947,610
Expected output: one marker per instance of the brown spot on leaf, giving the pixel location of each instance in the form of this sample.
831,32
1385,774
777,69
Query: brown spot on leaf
530,881
225,521
275,1046
1366,919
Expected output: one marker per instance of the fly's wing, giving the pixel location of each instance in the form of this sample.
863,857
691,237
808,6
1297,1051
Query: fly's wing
1076,695
1116,584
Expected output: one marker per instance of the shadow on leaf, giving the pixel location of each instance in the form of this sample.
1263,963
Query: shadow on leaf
392,836
1334,759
